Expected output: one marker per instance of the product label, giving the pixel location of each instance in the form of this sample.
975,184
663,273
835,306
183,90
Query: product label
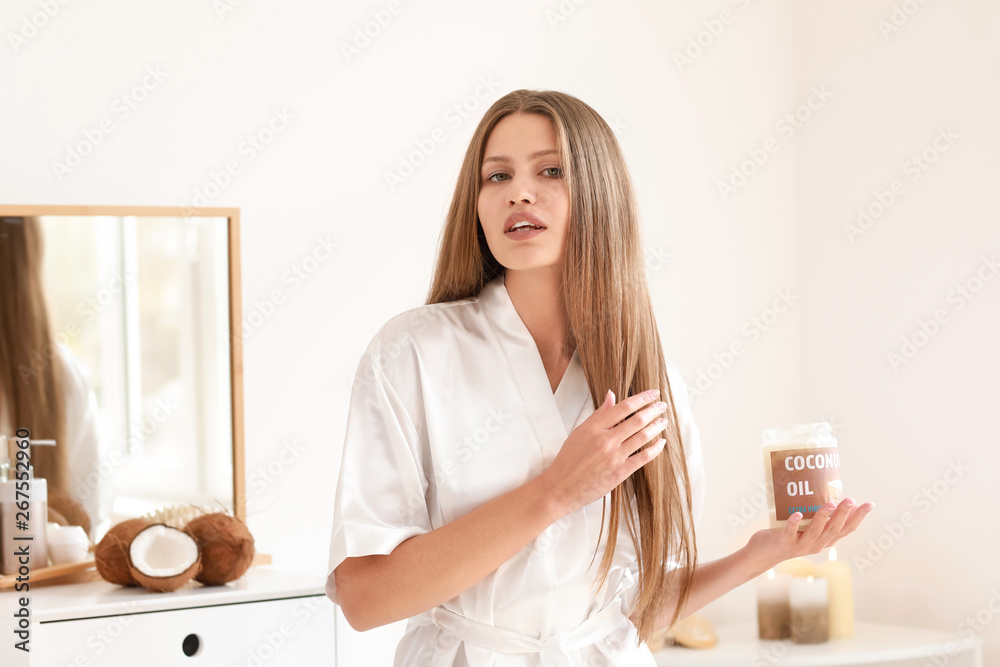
805,480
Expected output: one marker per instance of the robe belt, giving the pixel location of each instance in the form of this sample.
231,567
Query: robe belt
502,640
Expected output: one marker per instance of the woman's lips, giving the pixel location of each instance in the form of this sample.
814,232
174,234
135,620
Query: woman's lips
524,233
521,216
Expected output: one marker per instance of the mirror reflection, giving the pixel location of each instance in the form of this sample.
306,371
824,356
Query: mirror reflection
115,342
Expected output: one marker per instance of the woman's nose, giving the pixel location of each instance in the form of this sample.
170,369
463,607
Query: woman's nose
520,191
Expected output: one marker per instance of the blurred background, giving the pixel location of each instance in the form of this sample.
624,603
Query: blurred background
816,181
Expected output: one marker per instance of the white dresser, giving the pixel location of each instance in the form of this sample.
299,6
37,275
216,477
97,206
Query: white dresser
268,617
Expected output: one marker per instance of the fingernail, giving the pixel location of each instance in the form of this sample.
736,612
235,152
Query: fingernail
656,393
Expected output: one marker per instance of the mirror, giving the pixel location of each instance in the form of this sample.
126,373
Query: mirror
143,307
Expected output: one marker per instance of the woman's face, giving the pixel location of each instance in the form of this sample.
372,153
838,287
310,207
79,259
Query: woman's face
522,178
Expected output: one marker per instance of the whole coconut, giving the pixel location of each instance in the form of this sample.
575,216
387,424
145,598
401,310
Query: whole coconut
225,545
111,553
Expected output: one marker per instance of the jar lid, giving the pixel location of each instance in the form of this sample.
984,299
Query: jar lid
819,433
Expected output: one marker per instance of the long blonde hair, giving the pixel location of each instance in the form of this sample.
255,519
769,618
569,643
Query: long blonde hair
611,319
31,380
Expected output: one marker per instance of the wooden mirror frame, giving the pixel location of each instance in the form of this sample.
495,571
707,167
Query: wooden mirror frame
235,314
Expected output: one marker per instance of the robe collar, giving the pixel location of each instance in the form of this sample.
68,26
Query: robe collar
553,416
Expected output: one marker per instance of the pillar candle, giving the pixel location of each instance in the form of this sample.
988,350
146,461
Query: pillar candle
773,611
796,567
838,576
808,599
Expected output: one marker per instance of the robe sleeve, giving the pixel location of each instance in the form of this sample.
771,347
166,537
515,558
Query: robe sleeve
83,442
690,438
380,497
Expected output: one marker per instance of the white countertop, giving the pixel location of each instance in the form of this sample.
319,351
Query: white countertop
871,644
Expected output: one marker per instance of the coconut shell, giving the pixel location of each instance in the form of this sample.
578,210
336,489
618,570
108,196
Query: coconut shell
111,554
164,584
69,507
226,547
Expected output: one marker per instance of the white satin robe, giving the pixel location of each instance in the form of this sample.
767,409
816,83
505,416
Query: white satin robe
451,407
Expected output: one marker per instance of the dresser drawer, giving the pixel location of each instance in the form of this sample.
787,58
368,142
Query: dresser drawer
296,631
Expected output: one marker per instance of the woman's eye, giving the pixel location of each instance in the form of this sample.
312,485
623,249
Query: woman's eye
551,172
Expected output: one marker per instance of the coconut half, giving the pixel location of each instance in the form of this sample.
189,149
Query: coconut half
163,559
226,547
111,554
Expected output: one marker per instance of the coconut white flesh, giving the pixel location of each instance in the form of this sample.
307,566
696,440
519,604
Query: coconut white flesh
162,551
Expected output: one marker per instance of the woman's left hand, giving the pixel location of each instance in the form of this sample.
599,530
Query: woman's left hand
766,548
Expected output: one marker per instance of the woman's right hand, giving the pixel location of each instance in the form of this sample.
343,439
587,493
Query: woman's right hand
601,453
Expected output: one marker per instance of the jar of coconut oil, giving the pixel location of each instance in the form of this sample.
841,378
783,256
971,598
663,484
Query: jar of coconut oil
801,471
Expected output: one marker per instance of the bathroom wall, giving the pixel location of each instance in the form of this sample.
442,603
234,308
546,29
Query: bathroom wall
346,146
901,300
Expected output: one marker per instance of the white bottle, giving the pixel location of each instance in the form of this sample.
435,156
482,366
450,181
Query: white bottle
32,539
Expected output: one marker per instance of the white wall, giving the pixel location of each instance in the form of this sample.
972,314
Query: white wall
927,555
725,84
683,126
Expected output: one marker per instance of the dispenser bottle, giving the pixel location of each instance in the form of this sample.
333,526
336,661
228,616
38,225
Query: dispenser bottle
24,540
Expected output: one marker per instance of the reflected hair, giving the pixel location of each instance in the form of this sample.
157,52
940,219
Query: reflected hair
611,319
31,373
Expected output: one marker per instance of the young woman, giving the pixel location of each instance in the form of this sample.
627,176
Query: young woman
487,460
43,386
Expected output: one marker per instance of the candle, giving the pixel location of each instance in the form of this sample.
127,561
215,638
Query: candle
773,612
838,576
796,567
808,599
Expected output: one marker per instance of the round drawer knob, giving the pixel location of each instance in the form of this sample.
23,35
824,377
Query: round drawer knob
191,645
